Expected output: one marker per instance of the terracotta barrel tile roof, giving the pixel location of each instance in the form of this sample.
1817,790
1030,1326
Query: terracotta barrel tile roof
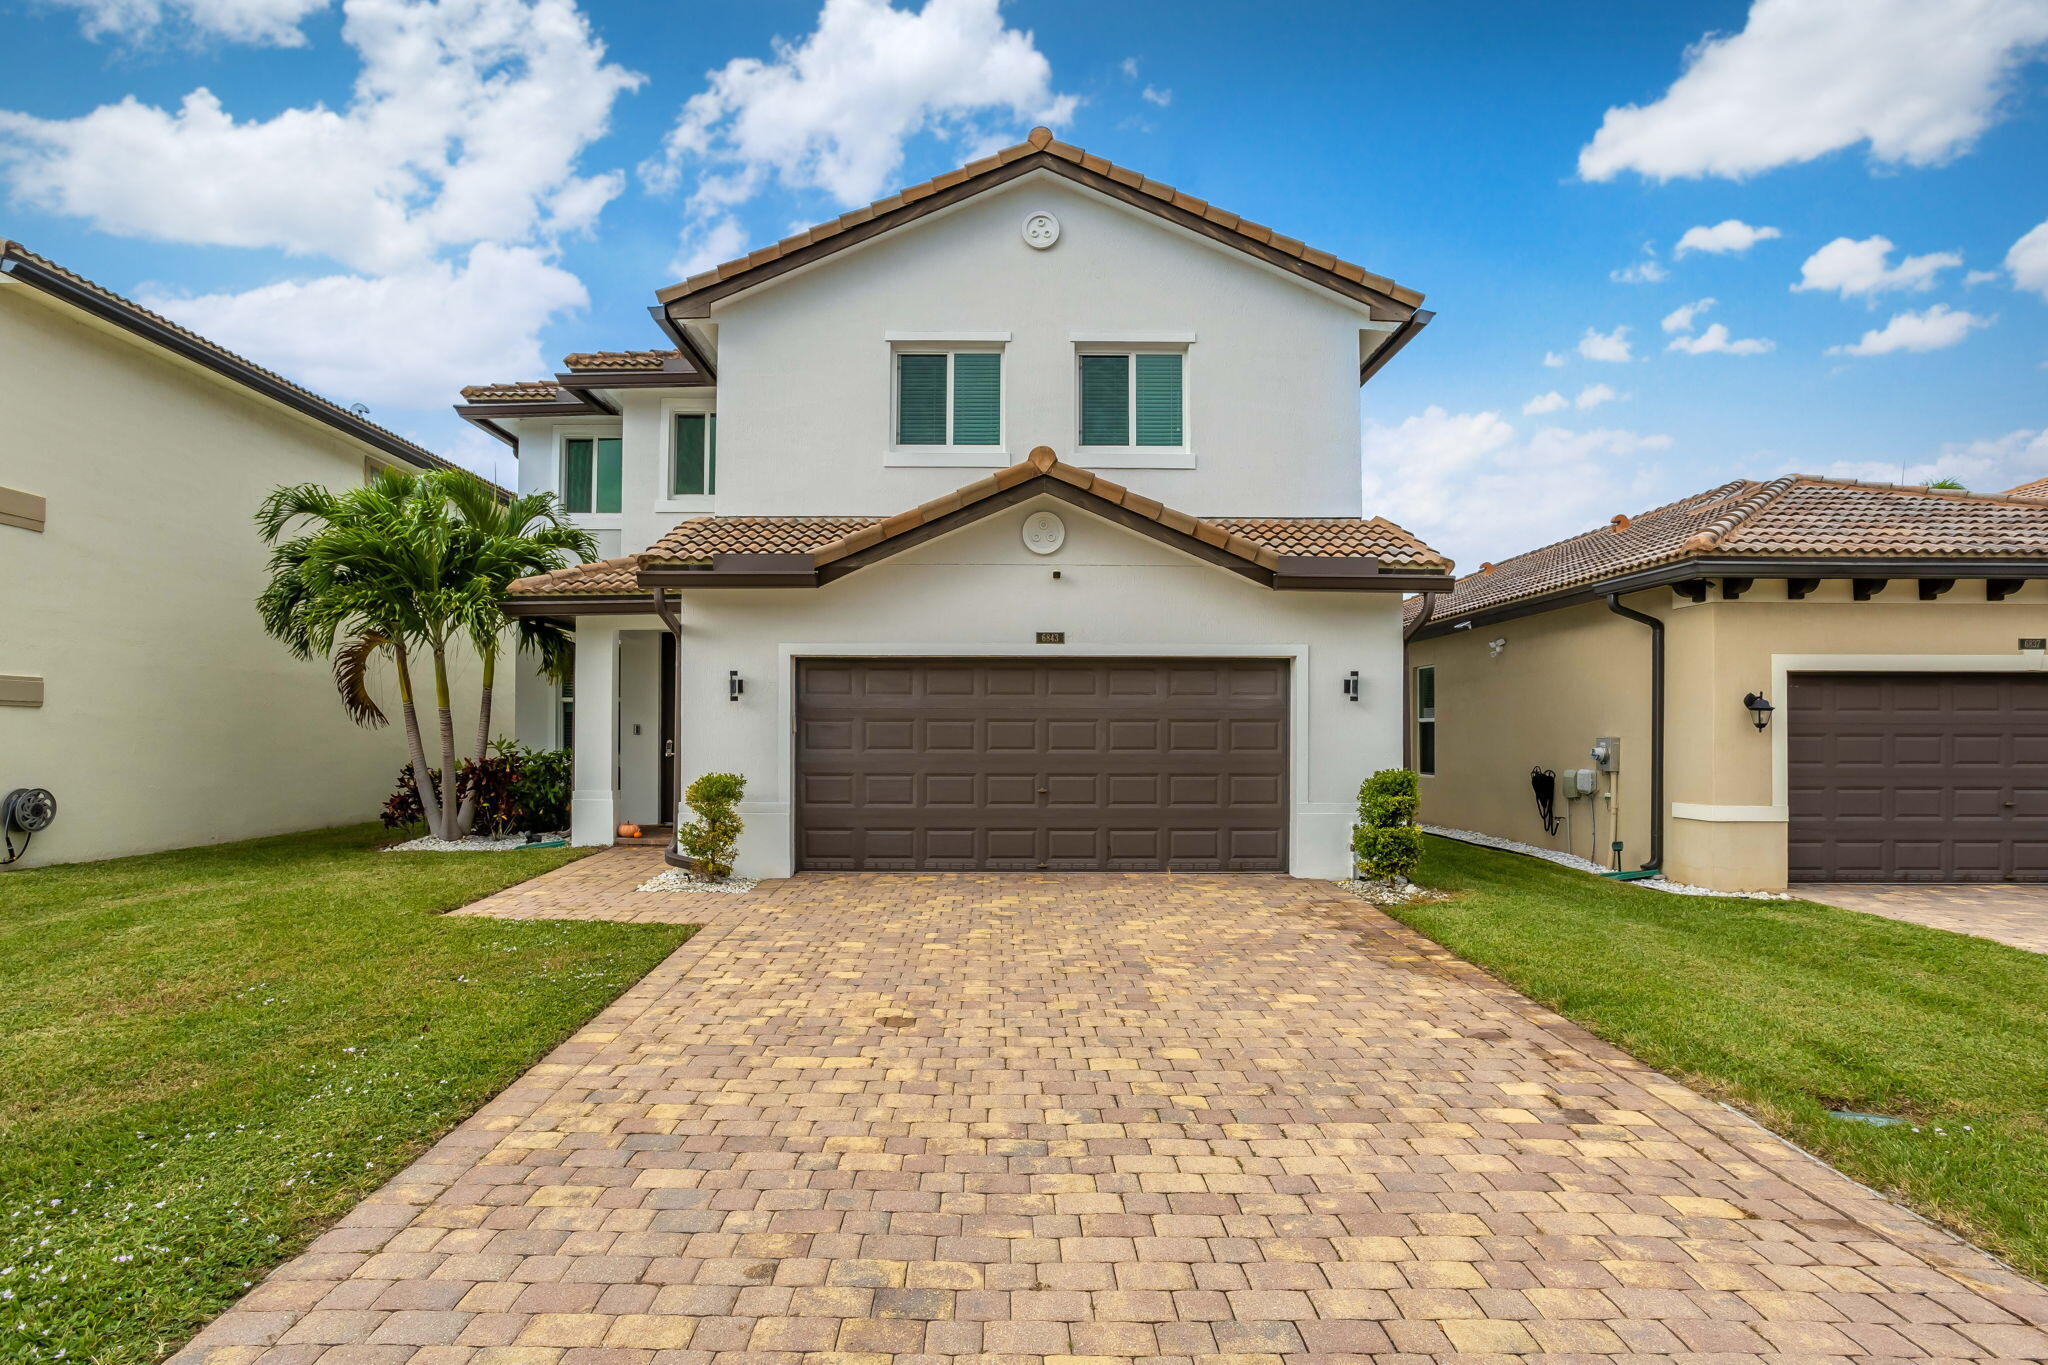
1042,143
1257,540
1830,521
518,391
604,578
619,360
2037,491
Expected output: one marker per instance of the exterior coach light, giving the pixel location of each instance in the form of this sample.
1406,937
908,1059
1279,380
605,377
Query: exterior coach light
734,684
1760,709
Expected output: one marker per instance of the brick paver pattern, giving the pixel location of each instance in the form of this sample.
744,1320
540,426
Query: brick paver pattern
1081,1120
2014,915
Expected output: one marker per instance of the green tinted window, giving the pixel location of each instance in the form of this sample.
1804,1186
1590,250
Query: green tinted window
1105,400
695,470
921,400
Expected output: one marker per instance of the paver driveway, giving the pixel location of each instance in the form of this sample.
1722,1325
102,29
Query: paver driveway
1172,1120
2015,915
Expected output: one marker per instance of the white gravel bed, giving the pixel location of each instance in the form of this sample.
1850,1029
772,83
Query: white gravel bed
1385,893
1578,864
675,879
475,843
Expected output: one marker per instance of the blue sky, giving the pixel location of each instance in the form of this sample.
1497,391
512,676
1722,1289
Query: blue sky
390,198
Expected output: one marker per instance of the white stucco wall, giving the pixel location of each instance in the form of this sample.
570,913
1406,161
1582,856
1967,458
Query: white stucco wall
979,592
170,719
805,388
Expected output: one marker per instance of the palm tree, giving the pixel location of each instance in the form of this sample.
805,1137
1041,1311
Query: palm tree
399,567
502,539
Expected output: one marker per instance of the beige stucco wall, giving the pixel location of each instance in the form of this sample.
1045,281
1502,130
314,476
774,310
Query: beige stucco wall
1561,681
170,719
1563,673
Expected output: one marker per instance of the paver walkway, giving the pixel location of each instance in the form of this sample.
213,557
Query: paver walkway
2017,915
1082,1120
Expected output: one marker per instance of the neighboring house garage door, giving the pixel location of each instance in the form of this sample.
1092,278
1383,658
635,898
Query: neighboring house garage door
1074,765
1918,777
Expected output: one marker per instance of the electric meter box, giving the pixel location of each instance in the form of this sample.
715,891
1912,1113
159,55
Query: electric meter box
1580,782
1606,753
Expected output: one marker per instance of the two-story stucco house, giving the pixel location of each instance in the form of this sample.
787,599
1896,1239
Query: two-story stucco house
1010,522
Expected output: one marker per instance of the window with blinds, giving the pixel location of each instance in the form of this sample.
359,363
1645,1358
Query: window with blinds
1132,399
591,474
949,398
693,459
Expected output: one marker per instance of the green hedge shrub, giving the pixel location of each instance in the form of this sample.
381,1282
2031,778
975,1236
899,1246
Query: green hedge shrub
1385,840
715,833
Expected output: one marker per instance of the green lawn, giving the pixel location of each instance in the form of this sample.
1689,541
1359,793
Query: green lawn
1787,1009
206,1056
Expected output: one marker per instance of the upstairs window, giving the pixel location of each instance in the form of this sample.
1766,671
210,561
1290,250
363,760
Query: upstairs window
949,398
1132,399
591,468
693,461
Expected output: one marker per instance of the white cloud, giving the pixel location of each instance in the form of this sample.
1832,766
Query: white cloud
1545,402
1716,341
1645,271
1129,66
1852,267
833,112
465,126
2028,261
1477,489
1680,319
1552,360
1931,330
1593,395
1973,278
1610,346
1730,234
1918,82
1153,95
407,340
273,23
708,244
1988,465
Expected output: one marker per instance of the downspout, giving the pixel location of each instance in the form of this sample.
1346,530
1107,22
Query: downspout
671,854
1657,812
1408,679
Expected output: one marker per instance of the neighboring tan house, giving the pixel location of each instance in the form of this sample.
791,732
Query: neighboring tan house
136,683
1853,687
1009,522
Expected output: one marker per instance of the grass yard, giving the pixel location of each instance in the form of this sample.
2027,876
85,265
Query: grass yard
1787,1009
208,1055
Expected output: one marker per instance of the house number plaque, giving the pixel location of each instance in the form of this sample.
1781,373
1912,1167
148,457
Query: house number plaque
1052,637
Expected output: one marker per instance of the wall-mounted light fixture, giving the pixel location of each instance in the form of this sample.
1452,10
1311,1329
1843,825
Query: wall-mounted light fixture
1760,709
734,684
1351,685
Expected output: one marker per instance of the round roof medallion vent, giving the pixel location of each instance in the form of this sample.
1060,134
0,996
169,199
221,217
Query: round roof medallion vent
1044,532
1041,230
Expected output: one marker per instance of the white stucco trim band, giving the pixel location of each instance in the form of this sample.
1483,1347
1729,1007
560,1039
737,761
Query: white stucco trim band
1784,665
1300,741
1736,815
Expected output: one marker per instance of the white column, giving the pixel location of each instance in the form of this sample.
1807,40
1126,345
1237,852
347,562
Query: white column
593,804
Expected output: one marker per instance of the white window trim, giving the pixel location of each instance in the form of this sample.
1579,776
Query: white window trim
594,521
668,500
900,456
1181,456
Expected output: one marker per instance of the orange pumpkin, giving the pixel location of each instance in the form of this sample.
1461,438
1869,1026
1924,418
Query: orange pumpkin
629,831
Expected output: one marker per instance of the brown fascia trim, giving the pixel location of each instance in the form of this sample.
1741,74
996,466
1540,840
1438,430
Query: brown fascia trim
154,332
1679,571
679,303
1403,334
575,380
589,604
685,342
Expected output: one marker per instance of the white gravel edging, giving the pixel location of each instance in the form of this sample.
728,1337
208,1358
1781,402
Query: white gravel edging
1578,864
675,879
475,843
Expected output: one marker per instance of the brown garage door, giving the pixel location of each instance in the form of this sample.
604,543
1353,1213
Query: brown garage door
1918,777
1075,765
